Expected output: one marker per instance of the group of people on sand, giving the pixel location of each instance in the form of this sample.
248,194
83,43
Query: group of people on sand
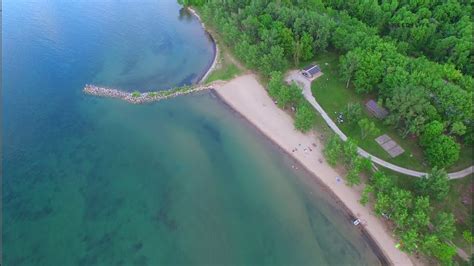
306,150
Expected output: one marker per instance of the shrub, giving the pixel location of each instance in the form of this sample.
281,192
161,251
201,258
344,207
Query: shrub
136,94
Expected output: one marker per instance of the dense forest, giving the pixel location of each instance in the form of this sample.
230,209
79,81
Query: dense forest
439,29
414,56
410,211
272,36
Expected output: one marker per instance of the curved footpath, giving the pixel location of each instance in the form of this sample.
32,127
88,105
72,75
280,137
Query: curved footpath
306,84
246,96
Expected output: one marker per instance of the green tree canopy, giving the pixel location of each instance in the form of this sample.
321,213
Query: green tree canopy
444,225
367,128
275,84
352,113
431,132
435,184
442,151
305,117
333,149
410,109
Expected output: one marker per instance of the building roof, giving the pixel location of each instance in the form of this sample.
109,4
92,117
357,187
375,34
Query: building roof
312,69
376,110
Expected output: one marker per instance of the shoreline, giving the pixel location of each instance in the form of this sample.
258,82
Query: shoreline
347,213
213,64
249,99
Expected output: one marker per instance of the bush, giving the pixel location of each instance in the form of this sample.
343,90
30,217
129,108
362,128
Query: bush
136,94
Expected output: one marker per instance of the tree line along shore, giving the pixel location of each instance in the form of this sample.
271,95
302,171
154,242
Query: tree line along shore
406,57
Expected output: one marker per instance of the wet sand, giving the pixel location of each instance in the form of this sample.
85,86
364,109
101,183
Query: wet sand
246,96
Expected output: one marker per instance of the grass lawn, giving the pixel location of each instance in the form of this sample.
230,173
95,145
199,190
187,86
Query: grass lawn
331,92
226,71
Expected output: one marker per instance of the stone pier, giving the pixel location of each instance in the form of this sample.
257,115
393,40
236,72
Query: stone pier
142,97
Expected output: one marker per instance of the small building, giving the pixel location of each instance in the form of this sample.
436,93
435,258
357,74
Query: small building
311,71
376,110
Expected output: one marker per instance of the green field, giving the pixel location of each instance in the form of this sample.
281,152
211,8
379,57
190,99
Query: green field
331,93
227,67
226,71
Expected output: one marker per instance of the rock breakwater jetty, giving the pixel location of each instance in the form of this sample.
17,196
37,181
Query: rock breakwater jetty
144,97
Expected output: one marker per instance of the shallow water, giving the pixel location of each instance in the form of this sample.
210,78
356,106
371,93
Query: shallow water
185,181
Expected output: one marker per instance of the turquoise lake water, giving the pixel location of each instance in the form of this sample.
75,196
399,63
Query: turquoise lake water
95,181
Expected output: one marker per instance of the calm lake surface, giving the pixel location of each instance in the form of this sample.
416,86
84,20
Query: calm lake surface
94,181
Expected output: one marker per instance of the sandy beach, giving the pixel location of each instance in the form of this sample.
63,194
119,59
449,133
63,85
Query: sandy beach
245,95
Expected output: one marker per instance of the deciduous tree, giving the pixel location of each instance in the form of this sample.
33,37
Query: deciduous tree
333,149
442,151
431,131
367,128
435,184
275,84
410,109
458,128
305,116
364,198
352,113
444,225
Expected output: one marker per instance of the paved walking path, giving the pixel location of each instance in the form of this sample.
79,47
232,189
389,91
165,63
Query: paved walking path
306,85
